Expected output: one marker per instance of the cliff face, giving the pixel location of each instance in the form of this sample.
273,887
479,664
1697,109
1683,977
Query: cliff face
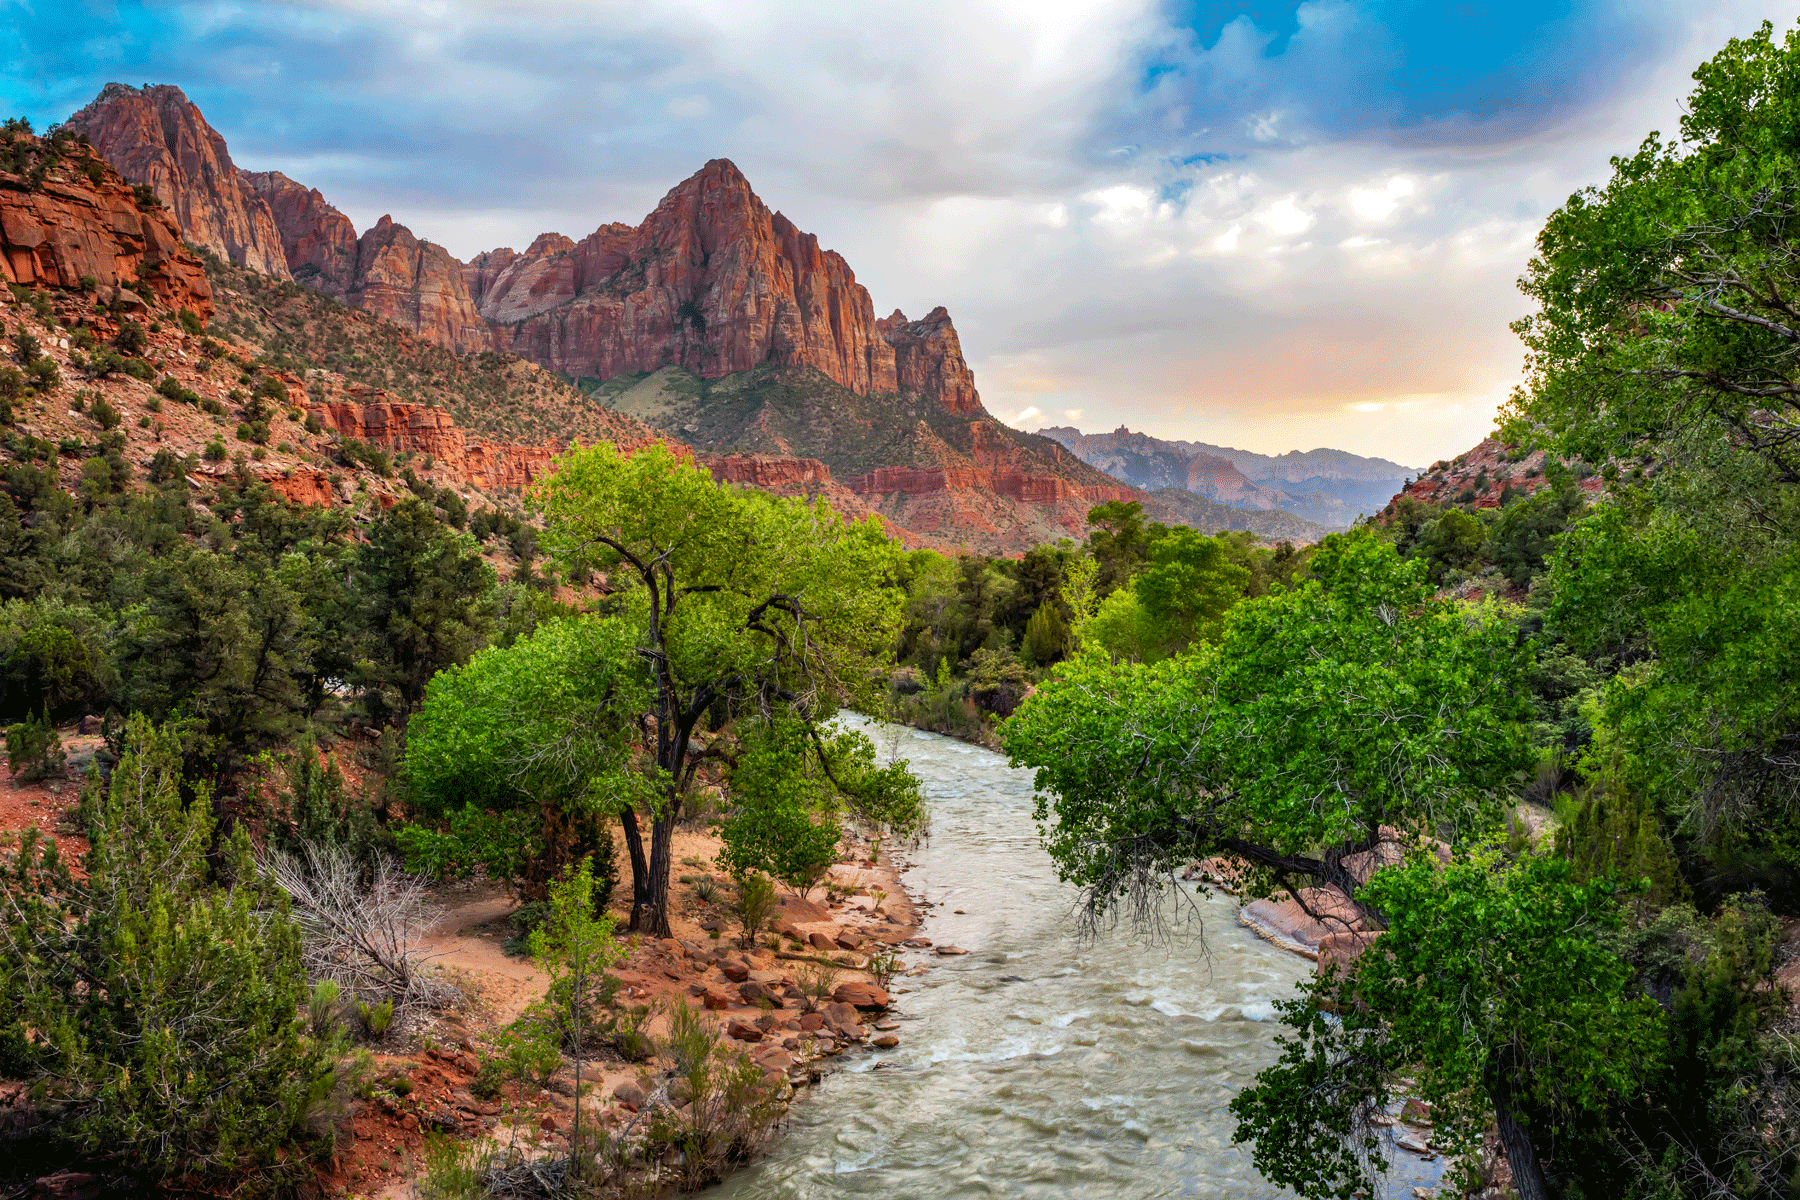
155,135
714,283
928,359
68,227
318,242
416,285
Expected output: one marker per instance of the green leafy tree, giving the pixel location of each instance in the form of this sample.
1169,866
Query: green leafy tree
1356,701
784,809
1492,986
157,1008
1046,635
742,604
519,758
1662,347
1118,542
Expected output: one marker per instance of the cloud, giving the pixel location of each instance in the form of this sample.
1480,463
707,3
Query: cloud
1275,226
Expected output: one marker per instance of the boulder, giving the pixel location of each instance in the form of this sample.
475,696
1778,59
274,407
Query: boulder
630,1095
801,911
735,970
951,951
839,1013
743,1031
754,992
849,941
886,1041
861,995
821,942
774,1059
716,999
812,1022
681,1093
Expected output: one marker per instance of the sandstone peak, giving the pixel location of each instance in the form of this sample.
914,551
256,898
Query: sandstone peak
714,282
156,136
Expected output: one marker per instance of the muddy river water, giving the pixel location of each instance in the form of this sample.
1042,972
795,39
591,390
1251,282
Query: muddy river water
1038,1066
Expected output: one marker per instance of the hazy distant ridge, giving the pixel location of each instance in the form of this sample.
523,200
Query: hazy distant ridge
1330,486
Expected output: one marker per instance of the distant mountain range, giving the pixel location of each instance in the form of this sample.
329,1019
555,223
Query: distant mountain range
1332,487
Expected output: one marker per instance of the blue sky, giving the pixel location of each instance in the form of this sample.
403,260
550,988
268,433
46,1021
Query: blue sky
1257,222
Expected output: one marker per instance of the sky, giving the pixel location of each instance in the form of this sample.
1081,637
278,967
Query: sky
1267,224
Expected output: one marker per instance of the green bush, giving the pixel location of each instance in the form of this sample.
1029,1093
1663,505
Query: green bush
104,362
131,340
215,451
191,322
105,415
214,407
137,368
34,750
168,466
154,1005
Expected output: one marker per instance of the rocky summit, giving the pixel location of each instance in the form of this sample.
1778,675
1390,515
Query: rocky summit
716,320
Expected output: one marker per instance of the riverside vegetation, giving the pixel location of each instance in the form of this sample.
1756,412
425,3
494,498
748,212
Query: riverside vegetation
1602,1006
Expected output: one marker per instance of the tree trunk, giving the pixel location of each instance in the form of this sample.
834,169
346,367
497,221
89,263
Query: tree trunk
640,868
662,852
1529,1180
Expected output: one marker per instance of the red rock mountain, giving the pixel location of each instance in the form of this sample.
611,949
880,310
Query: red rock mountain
155,135
712,284
66,227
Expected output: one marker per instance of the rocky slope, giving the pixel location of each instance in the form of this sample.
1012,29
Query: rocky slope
69,221
155,135
960,479
1486,476
1328,486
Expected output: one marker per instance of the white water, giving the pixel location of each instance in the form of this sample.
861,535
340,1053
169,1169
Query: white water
1037,1066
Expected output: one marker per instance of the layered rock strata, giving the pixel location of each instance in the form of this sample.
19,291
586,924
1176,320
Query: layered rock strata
67,228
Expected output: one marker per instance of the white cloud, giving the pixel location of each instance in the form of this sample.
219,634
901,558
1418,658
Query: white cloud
1379,203
1222,268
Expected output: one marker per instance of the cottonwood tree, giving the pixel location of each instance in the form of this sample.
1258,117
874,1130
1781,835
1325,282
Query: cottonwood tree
1355,701
744,607
1492,989
1665,346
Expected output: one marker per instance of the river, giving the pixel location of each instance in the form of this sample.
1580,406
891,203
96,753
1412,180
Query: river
1037,1065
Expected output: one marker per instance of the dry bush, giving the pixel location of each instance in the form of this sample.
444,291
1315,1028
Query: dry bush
364,924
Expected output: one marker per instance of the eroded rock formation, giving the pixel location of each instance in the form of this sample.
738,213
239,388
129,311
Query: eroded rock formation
317,241
69,227
416,285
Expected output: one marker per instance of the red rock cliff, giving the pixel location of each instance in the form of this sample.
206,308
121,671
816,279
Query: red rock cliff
317,241
155,135
69,227
714,282
416,285
928,359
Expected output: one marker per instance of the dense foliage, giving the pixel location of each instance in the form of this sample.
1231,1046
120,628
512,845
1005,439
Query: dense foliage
154,995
